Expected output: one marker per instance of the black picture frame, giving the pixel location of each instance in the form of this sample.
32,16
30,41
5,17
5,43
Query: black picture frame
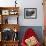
30,13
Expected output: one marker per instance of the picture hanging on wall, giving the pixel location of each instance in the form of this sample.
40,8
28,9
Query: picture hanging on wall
30,13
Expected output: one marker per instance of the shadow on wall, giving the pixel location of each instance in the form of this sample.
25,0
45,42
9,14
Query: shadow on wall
37,29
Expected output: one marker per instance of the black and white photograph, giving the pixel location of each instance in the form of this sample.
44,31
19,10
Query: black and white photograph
30,13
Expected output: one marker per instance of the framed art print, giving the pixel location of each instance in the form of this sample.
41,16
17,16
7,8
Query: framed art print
5,12
30,13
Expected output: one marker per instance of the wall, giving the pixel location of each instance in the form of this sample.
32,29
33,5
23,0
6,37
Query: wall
27,22
31,4
27,4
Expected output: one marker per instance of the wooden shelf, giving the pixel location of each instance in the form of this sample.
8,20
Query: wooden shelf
10,26
11,41
4,13
9,8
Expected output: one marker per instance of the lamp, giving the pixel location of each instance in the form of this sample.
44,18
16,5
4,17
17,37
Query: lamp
15,3
15,30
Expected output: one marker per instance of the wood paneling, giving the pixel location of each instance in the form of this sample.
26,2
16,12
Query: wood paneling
44,6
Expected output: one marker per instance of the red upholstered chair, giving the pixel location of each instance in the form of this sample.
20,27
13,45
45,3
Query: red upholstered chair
29,33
